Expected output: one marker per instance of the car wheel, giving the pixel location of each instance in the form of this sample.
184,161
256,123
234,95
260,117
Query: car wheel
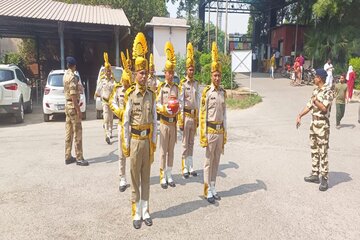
83,116
19,116
29,108
46,117
98,114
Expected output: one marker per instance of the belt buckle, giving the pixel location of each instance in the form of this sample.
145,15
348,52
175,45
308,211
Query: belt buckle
143,133
218,127
171,120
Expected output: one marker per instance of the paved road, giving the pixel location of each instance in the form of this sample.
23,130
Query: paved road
260,181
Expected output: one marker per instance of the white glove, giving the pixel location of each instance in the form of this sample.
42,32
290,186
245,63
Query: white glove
168,110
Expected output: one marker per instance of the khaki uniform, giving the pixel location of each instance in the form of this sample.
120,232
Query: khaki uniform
320,131
212,133
73,128
116,104
188,119
151,83
104,90
139,142
168,132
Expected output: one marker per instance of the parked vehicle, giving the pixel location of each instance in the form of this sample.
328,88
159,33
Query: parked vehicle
309,76
54,98
161,78
15,92
117,71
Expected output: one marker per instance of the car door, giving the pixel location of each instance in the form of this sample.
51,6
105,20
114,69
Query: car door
24,87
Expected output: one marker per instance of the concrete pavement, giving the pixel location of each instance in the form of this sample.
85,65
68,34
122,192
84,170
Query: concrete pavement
260,180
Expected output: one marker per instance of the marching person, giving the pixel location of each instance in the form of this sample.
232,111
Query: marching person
189,109
103,91
167,91
213,133
73,128
151,82
139,134
320,106
116,103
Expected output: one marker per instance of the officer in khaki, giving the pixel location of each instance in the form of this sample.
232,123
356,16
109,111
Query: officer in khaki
167,90
104,90
189,108
213,126
151,82
320,106
139,134
116,104
73,128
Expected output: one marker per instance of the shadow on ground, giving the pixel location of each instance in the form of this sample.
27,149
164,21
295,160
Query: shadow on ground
336,178
188,207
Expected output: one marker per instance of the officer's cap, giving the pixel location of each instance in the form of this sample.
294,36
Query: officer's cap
321,73
71,60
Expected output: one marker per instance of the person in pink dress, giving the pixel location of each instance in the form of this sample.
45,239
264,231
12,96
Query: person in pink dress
350,77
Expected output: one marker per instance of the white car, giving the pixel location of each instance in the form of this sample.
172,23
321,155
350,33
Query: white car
15,92
117,71
54,97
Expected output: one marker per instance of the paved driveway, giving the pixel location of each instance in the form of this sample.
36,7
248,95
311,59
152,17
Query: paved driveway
260,181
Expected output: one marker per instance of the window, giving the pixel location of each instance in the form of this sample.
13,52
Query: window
20,75
56,80
6,75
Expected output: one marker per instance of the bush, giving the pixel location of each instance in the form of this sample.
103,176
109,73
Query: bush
355,62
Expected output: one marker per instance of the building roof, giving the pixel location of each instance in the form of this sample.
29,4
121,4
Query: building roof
63,12
167,22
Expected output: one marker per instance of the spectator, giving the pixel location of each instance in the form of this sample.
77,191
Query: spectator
341,95
277,58
297,71
301,61
328,67
350,77
272,66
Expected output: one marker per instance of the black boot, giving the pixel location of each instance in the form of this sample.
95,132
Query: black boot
137,224
148,222
70,160
324,184
82,162
312,178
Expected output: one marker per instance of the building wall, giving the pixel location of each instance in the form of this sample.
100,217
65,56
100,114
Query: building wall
177,36
287,33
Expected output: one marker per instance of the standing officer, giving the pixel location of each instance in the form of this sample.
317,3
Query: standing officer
73,128
320,106
151,82
213,126
104,90
166,91
139,134
189,108
116,104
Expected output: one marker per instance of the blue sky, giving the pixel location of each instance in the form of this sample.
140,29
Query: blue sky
236,22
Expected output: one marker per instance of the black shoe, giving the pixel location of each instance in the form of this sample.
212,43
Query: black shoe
211,200
70,160
172,184
324,184
148,222
137,224
312,178
122,188
217,197
164,185
186,175
193,173
82,162
107,139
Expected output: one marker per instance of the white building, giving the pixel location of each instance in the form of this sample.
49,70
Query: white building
166,29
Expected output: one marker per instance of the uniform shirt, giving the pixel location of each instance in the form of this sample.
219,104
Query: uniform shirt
328,68
140,110
189,96
340,92
151,83
105,88
71,87
165,92
323,95
216,107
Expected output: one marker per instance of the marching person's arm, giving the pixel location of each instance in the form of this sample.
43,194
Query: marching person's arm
224,121
154,133
114,103
180,120
203,118
126,126
73,94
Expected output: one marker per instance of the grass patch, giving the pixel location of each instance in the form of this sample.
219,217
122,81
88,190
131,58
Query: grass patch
243,102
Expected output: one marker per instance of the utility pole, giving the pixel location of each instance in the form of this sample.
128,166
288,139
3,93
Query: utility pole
217,20
209,28
226,28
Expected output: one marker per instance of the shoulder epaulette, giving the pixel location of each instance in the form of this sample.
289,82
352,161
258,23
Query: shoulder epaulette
206,89
161,84
183,80
130,90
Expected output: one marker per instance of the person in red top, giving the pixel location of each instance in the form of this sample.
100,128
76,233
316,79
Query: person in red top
301,61
297,70
350,77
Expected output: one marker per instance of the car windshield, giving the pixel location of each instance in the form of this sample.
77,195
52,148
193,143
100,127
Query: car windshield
56,80
162,79
6,75
117,74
